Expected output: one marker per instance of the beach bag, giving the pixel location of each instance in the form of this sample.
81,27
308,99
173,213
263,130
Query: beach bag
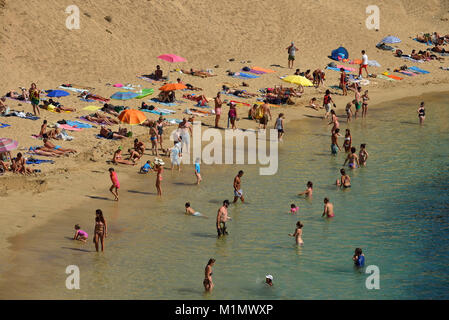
259,112
332,65
246,69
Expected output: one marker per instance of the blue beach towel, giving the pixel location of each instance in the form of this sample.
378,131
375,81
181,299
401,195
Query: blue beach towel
158,112
243,75
38,161
79,124
418,70
4,125
428,43
167,104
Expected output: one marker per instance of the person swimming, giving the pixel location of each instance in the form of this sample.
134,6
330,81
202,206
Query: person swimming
190,211
294,208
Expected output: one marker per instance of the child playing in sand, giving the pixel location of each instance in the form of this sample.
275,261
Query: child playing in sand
115,183
146,167
80,235
298,233
294,208
197,171
312,104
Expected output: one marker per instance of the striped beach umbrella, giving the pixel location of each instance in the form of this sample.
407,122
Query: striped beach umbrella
7,144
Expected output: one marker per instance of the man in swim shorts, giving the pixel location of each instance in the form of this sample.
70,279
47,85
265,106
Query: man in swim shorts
291,49
238,193
328,209
190,211
334,143
222,218
358,100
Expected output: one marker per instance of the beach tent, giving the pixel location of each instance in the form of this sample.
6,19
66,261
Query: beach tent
390,39
339,52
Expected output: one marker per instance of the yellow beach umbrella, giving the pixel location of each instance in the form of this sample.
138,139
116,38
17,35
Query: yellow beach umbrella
299,80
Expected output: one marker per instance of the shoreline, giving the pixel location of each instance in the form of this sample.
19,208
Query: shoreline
47,188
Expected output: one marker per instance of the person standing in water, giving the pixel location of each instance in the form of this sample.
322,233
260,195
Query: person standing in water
334,143
298,233
158,167
358,101
358,258
207,282
279,125
222,218
291,49
218,104
334,121
101,230
348,141
421,113
365,100
198,171
309,191
348,112
115,183
363,155
328,209
238,193
353,159
344,181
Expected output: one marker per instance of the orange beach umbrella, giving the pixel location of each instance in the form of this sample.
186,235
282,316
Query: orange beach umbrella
132,116
172,86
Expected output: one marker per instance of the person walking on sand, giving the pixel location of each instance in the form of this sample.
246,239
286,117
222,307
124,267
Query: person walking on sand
207,282
232,115
328,209
364,64
291,49
35,98
327,103
238,193
115,183
218,104
158,167
279,126
222,218
309,191
421,113
343,82
298,233
334,142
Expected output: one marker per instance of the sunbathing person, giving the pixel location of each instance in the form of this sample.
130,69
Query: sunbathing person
189,86
15,95
117,158
239,93
198,73
57,106
438,49
51,146
101,119
201,99
108,134
109,108
43,151
296,92
167,96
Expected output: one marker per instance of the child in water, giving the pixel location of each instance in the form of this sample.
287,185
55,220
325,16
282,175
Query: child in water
358,258
80,235
294,208
190,211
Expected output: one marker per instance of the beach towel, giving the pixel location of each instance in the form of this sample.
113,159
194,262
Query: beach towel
381,76
239,103
173,120
18,100
158,112
262,69
335,69
346,68
23,115
255,71
407,73
4,125
392,76
373,63
411,59
243,75
69,127
38,161
92,108
356,61
418,70
428,43
77,124
73,89
167,104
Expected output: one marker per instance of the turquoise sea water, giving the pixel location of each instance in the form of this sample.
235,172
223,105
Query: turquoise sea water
397,211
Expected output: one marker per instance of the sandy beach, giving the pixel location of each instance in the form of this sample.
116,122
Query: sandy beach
37,47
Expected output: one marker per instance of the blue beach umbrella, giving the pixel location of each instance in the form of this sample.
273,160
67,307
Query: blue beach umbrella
390,39
57,93
124,95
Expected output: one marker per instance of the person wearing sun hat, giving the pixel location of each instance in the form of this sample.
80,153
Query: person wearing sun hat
159,168
269,279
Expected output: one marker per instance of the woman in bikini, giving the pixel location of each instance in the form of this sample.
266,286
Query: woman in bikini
158,167
365,99
348,112
207,282
363,155
421,113
348,141
160,124
344,181
153,139
101,229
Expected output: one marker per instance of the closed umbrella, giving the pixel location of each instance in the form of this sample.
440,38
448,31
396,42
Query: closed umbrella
390,39
299,80
57,93
124,95
171,58
7,144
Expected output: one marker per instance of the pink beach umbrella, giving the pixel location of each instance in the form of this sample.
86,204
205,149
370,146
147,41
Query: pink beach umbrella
7,144
171,58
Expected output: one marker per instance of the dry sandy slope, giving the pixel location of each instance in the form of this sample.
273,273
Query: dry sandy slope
35,46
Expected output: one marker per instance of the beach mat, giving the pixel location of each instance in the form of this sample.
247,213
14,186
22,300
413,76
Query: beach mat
381,76
158,112
167,104
392,76
4,125
262,69
78,124
243,75
69,127
419,70
145,93
38,161
428,43
92,108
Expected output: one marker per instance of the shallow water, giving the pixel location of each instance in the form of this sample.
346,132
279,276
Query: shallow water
396,210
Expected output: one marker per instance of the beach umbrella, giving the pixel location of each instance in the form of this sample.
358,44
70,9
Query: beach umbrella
172,87
299,80
124,95
390,39
132,116
7,144
171,58
57,93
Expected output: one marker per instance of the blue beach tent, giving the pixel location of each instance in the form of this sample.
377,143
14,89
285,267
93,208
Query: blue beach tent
339,52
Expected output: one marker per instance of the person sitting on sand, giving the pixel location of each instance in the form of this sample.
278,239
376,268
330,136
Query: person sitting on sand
189,86
139,146
43,129
108,134
80,235
134,156
307,75
158,73
313,104
18,165
117,158
295,92
146,167
51,146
